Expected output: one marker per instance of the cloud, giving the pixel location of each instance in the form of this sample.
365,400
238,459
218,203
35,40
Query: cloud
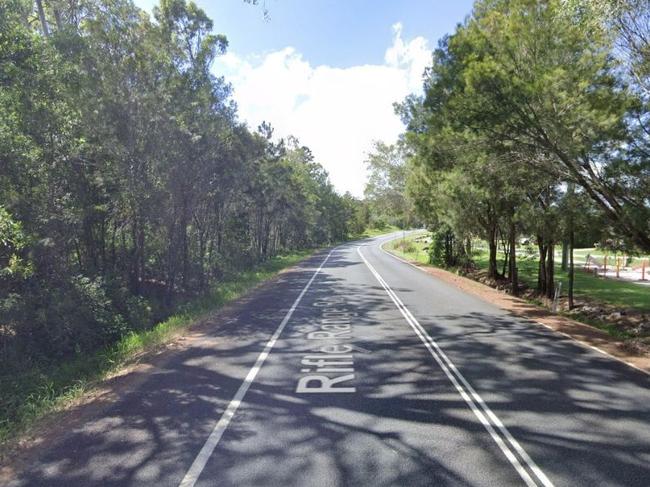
337,112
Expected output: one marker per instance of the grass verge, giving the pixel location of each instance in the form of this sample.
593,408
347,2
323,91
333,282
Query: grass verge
598,289
413,247
609,291
30,396
375,232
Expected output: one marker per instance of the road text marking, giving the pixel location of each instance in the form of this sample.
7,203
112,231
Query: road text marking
329,367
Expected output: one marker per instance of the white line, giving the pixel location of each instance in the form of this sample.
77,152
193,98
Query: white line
572,338
471,397
203,456
400,259
593,347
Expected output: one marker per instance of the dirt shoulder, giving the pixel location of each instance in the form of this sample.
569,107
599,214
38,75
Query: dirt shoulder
580,332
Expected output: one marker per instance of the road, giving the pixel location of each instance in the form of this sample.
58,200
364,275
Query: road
358,369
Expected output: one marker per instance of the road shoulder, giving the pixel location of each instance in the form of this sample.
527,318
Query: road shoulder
584,334
19,453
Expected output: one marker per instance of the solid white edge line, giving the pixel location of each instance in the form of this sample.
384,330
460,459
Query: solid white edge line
453,374
211,443
572,338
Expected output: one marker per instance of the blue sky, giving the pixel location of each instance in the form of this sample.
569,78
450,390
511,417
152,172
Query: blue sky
328,71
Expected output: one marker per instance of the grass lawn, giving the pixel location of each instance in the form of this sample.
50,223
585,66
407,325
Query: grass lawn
580,255
609,291
29,396
411,247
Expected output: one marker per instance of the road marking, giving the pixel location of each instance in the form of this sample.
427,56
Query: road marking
211,443
333,355
479,407
572,338
593,347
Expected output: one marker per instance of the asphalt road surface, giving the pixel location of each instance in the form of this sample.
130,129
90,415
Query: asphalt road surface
358,369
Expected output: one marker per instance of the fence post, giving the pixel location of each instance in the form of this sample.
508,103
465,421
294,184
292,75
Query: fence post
556,297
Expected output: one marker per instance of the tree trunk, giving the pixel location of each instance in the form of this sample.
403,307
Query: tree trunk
550,270
506,254
41,16
514,280
571,266
541,273
185,252
202,241
572,236
171,259
57,19
113,246
135,256
102,243
565,254
492,260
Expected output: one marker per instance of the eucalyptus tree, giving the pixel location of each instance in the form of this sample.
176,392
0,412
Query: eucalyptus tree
386,184
127,182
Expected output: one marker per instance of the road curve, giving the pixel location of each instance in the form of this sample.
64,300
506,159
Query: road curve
357,369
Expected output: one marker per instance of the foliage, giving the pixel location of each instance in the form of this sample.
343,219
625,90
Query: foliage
128,184
385,192
533,125
38,390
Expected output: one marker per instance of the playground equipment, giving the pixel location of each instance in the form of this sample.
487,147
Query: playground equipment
600,267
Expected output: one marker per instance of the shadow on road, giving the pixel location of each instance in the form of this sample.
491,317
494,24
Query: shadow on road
554,397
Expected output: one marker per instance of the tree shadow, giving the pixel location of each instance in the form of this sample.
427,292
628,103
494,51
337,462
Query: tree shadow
583,418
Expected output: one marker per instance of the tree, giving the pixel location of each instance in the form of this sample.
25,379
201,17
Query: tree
523,101
545,83
128,185
385,189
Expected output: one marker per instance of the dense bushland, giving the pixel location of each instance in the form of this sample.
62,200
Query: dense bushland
127,183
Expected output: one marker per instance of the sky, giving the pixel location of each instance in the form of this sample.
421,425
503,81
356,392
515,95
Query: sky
329,71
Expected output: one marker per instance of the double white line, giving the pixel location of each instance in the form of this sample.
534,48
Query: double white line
528,470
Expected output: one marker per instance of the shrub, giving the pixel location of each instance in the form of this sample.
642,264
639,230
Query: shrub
57,318
406,246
